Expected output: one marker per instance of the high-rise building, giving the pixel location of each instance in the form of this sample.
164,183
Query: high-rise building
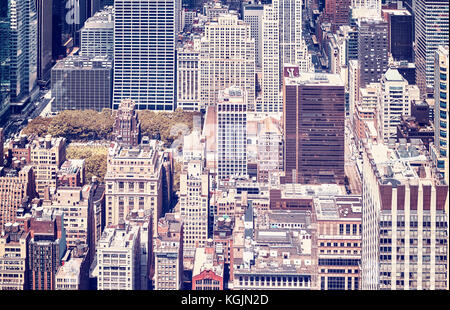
271,97
232,134
337,12
404,232
127,128
372,50
97,34
44,40
144,53
118,258
73,274
82,83
431,30
194,199
47,156
133,181
18,183
290,25
253,15
396,98
400,33
14,258
188,76
339,242
169,253
23,44
46,248
439,150
5,61
313,122
227,59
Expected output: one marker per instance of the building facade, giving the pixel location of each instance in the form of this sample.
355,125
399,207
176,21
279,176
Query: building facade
144,54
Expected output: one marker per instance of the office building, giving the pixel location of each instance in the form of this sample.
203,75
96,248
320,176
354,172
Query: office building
395,100
439,150
82,83
14,258
339,242
144,54
232,134
45,41
431,30
47,156
97,34
73,274
271,97
208,272
46,249
133,181
5,62
400,34
118,258
188,76
227,59
372,50
404,232
127,128
337,13
18,186
253,15
313,122
194,202
169,253
23,37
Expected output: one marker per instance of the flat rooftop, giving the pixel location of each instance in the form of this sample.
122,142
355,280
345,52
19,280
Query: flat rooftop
315,79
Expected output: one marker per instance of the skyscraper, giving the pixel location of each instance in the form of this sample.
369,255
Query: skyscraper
97,34
227,59
439,151
271,101
253,14
372,50
23,44
431,30
395,100
82,83
232,133
45,41
5,60
314,115
144,53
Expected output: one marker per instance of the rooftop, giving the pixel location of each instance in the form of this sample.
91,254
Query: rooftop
315,79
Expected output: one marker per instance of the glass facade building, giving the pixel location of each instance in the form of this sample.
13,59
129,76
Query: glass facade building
82,82
144,53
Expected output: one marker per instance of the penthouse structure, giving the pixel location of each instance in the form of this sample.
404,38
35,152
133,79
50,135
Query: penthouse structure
82,83
14,258
47,155
313,122
169,253
404,232
133,181
118,258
